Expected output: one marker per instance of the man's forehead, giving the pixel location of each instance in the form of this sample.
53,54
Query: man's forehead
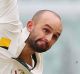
50,17
51,14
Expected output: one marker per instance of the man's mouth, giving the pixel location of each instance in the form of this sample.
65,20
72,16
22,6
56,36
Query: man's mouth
42,44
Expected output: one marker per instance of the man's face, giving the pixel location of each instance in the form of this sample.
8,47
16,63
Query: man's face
45,33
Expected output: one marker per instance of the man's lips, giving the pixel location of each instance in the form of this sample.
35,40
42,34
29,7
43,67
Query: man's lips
42,44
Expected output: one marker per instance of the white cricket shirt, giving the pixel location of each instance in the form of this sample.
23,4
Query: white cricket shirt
12,37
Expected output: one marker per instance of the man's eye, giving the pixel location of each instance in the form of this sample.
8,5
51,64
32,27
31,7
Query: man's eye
55,37
46,30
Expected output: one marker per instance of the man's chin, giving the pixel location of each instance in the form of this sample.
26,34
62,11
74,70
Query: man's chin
40,50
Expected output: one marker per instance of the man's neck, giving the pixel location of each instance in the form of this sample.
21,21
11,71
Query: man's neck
26,54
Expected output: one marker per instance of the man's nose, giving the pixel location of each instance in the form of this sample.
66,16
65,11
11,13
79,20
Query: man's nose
49,37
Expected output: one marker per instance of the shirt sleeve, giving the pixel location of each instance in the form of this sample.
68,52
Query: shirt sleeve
12,66
8,11
10,26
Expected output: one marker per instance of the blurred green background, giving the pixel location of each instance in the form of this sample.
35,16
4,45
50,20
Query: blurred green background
64,56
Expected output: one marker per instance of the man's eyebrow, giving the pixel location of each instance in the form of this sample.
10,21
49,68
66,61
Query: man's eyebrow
49,26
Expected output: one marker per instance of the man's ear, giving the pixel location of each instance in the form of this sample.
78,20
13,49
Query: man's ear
30,26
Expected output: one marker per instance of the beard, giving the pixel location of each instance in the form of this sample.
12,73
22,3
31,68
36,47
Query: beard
36,44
